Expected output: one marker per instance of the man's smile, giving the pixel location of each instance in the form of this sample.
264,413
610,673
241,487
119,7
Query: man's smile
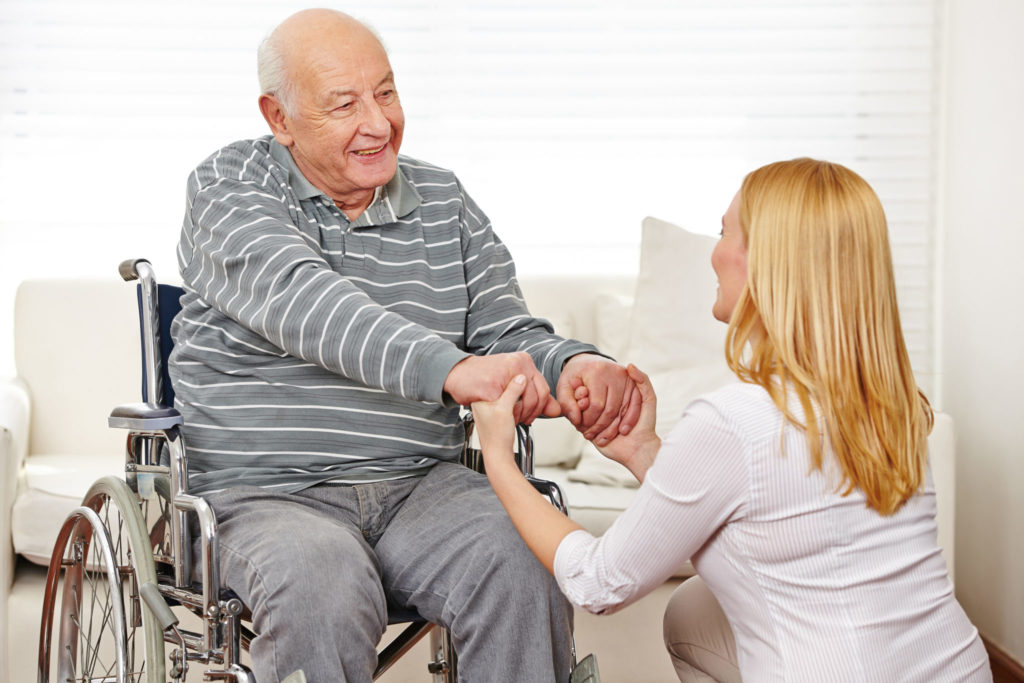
370,152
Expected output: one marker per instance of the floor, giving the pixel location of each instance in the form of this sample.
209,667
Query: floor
627,644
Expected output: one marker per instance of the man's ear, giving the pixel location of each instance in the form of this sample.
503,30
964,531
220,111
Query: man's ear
275,117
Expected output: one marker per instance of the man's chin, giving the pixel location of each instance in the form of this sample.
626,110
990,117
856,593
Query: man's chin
375,172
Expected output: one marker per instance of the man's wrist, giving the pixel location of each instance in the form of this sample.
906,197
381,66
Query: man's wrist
576,355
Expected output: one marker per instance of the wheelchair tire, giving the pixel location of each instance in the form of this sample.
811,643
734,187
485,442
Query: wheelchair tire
98,628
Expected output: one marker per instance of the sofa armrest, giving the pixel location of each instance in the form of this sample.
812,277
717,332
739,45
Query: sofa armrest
14,424
15,411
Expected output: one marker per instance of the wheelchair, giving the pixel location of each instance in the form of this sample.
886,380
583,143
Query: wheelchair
123,559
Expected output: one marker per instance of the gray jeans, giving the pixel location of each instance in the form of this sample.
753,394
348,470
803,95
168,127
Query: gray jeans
319,567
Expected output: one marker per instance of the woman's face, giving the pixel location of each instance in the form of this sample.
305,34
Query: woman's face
729,259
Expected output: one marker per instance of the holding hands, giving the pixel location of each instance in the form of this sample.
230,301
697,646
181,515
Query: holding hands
598,397
637,449
596,394
540,524
496,419
484,378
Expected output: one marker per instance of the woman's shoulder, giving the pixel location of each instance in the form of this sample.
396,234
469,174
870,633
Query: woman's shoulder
744,408
737,396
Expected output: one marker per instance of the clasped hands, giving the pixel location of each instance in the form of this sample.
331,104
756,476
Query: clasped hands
602,399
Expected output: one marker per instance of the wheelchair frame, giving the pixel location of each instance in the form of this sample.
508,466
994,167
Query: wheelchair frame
125,555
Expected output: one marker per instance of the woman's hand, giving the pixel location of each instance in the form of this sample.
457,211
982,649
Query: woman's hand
637,449
540,524
495,422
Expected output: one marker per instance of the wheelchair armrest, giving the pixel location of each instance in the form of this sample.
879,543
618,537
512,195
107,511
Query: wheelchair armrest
551,491
143,417
473,458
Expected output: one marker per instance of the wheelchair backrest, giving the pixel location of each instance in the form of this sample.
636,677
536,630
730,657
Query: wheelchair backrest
168,305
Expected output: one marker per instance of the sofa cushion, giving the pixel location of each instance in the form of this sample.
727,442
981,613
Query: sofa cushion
595,506
556,442
592,506
594,468
51,487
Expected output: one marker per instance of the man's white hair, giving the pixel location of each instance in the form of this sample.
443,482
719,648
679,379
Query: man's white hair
272,73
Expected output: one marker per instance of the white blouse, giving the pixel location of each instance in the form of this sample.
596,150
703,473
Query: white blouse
816,586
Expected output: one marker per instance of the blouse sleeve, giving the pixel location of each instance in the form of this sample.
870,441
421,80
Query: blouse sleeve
698,482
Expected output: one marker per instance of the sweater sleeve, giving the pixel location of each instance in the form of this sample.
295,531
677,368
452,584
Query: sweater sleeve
243,254
697,483
498,320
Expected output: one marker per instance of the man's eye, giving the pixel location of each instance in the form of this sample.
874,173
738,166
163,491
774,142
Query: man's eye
386,95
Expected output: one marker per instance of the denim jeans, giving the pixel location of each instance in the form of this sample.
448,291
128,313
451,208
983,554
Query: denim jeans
318,568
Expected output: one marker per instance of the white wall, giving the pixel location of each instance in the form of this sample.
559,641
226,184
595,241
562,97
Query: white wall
982,329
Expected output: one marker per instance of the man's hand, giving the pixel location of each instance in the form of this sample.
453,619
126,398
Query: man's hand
484,378
598,396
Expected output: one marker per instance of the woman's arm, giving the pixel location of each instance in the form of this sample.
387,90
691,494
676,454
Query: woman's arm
698,482
540,524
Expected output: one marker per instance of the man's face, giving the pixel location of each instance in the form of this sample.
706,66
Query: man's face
346,122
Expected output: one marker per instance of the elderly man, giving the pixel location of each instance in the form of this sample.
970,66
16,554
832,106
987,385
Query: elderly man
341,302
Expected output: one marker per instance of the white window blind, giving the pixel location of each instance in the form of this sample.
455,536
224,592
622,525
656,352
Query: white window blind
568,120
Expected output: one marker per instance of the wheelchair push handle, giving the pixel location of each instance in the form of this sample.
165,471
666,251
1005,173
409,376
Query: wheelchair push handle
149,316
129,269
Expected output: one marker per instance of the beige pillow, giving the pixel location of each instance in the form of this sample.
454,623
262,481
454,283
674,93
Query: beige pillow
612,314
556,441
673,336
672,325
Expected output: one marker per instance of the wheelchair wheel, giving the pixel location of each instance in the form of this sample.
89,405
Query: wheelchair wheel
98,628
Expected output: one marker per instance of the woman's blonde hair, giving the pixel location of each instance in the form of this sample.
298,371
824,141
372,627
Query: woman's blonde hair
818,318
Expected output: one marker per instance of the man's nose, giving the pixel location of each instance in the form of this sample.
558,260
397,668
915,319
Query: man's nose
374,122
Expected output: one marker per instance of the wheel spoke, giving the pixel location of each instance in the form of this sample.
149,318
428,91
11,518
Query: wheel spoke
98,618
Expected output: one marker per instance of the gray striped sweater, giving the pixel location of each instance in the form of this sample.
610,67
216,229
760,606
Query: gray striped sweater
313,349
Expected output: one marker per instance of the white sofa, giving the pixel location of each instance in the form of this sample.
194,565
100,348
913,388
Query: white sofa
76,347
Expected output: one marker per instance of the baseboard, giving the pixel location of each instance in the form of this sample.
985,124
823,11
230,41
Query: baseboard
1005,669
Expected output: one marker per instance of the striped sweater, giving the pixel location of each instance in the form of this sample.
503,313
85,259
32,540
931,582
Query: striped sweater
313,349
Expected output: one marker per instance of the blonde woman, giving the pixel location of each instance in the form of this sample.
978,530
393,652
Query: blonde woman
802,493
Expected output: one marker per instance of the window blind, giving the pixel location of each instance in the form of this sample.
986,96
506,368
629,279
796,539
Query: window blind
567,120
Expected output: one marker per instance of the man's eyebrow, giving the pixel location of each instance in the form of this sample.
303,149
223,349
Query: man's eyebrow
335,93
